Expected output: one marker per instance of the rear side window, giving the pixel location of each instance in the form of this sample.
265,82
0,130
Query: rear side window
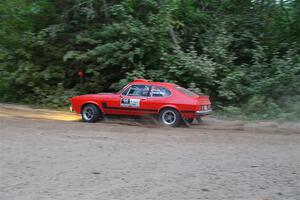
186,91
158,91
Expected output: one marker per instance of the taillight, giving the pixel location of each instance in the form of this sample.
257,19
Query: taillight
205,107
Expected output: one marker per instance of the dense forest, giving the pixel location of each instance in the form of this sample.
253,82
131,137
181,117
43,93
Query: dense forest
244,53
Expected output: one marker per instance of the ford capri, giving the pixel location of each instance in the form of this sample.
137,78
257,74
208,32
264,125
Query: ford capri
171,103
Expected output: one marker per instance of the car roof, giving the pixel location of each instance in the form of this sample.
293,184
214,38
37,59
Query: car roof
146,82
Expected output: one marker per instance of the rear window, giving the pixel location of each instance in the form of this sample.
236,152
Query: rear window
186,91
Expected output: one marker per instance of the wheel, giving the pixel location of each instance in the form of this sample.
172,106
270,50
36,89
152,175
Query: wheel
90,113
199,120
169,117
190,120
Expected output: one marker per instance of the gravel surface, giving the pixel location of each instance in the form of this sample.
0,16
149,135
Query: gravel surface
45,159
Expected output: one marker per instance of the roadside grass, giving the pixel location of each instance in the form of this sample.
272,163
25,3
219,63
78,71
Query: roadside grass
261,108
235,113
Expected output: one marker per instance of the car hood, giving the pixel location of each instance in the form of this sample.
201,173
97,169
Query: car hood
92,96
105,93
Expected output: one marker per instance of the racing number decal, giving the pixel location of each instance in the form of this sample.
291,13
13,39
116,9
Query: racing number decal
130,103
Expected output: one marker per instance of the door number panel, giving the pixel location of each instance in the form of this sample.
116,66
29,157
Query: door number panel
135,103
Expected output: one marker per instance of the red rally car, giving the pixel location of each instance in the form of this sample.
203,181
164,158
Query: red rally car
170,102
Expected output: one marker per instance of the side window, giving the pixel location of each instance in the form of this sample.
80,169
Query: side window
158,91
137,90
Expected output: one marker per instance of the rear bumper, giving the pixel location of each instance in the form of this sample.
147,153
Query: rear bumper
203,112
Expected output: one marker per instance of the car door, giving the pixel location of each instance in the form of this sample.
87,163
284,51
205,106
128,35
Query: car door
133,100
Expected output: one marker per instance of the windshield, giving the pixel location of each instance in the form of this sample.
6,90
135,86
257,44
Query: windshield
186,91
126,86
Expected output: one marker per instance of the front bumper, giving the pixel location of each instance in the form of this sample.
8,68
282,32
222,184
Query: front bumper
203,112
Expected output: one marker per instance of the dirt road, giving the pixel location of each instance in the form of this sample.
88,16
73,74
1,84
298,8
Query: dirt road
47,155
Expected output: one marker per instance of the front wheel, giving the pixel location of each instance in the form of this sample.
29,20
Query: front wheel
90,113
169,117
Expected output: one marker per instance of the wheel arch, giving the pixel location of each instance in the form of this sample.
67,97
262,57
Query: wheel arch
91,102
168,106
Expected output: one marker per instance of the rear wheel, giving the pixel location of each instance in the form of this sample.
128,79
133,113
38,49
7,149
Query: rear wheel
90,113
169,117
199,120
190,120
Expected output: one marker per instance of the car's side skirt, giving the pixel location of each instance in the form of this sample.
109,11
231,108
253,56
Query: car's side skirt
104,105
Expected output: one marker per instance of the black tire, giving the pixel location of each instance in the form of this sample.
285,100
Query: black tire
199,120
190,120
90,113
169,117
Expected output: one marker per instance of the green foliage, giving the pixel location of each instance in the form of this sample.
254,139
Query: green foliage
260,107
244,54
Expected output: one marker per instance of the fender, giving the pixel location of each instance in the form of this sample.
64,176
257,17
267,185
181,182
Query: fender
169,106
92,102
